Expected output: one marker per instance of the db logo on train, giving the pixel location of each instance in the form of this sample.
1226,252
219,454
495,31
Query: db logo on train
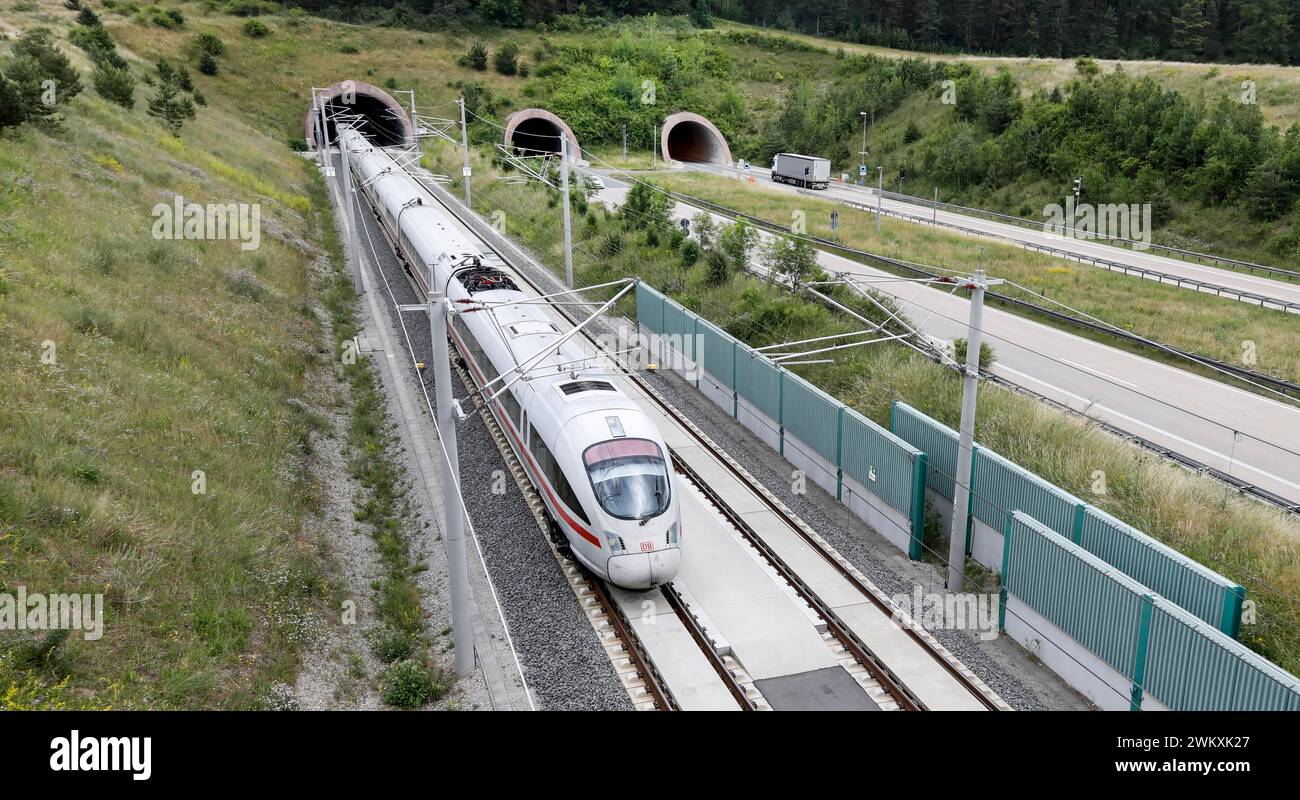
647,547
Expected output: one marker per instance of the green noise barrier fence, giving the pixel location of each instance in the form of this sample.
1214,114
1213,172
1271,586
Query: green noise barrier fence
853,446
999,487
1161,649
1164,622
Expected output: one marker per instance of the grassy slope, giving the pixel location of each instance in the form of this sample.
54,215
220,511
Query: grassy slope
172,356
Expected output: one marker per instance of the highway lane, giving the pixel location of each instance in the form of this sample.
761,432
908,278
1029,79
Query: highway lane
1240,281
1243,434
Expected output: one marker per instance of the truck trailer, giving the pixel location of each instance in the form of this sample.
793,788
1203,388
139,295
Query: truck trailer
809,172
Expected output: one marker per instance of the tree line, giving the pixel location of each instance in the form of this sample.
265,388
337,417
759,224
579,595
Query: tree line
1238,31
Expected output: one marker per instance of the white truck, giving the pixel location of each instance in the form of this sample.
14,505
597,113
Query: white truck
809,172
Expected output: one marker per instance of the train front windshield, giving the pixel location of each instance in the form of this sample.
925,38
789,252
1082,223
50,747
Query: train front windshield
629,477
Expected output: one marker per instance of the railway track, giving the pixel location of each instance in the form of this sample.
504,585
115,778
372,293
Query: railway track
636,671
629,655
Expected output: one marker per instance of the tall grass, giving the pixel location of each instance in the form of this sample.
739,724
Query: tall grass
160,368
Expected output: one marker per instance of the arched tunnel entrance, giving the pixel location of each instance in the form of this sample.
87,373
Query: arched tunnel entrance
690,137
385,121
539,131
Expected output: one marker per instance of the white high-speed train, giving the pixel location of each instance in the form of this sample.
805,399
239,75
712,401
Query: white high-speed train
594,455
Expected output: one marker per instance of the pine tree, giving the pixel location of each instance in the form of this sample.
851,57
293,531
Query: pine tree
168,103
11,104
478,56
114,84
700,16
1187,42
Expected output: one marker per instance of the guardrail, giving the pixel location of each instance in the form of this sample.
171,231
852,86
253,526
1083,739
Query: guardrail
896,265
1116,241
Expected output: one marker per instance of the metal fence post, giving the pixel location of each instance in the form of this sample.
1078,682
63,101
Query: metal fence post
1232,602
780,408
1076,533
1006,573
839,453
920,473
1140,660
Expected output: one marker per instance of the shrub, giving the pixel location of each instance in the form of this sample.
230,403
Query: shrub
248,8
718,267
207,64
11,104
612,244
393,645
477,57
409,684
166,19
959,353
690,253
349,49
736,243
88,18
115,85
912,134
97,44
209,43
256,29
506,59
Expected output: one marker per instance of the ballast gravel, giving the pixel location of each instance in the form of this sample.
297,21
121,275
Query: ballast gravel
564,664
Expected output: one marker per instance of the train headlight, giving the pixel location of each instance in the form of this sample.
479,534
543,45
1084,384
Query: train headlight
673,531
614,541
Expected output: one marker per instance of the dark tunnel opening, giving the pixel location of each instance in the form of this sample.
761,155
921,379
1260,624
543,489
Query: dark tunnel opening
380,123
692,141
537,135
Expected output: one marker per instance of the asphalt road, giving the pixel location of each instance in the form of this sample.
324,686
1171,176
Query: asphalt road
1251,437
1245,282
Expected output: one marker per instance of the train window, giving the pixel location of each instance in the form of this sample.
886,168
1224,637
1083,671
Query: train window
550,469
568,497
629,477
511,405
475,352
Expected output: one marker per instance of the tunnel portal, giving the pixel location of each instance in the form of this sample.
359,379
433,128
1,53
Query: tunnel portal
385,121
691,137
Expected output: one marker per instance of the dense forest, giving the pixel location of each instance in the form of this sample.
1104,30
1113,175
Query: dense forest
1252,31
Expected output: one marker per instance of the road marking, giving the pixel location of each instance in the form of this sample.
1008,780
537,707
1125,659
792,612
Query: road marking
1232,462
1099,373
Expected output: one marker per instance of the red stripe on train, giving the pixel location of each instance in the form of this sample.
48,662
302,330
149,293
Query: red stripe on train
514,434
